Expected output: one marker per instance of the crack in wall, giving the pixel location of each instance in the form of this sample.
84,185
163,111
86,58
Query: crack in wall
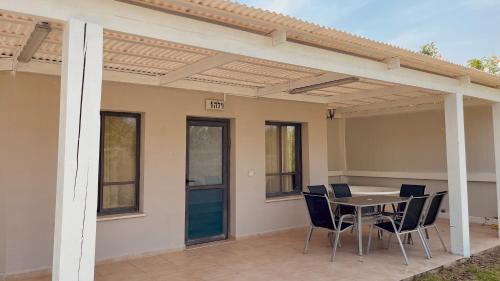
82,238
81,105
83,223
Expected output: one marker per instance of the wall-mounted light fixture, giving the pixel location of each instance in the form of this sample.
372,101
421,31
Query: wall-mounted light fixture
330,113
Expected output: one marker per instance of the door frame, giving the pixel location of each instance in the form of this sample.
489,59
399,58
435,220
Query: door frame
226,146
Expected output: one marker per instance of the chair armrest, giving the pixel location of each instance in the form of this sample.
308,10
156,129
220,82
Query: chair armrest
392,222
346,216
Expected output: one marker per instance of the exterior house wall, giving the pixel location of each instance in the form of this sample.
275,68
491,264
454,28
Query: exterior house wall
30,164
336,145
415,143
3,228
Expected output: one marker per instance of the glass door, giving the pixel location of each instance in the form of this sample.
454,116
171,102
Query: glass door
206,180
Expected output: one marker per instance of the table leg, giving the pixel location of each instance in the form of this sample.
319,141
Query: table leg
360,240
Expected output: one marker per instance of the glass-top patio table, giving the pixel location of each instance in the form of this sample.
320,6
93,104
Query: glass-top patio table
360,202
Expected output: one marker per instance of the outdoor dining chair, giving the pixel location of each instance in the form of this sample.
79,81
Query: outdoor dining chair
317,189
342,190
321,217
430,216
409,223
407,190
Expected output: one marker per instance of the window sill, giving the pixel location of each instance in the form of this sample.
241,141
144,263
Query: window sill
283,198
120,216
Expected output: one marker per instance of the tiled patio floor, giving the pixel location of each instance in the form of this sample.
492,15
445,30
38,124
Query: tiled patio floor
279,257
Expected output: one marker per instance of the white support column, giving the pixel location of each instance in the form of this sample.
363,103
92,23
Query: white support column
457,174
78,160
496,134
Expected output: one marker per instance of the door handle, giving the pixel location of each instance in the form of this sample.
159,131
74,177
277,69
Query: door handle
189,181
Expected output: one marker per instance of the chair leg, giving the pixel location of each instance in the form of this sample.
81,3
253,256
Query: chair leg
427,243
402,249
330,239
369,239
308,238
424,244
337,240
440,238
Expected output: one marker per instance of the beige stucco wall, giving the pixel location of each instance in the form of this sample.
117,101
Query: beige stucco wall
29,166
383,143
415,143
3,228
336,144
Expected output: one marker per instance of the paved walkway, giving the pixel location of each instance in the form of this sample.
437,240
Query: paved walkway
278,257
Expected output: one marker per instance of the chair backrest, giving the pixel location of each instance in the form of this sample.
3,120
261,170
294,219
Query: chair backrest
319,210
317,189
413,213
341,190
433,208
409,190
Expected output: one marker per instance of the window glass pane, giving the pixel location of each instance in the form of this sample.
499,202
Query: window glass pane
282,155
205,155
118,196
288,147
273,184
119,151
272,149
288,184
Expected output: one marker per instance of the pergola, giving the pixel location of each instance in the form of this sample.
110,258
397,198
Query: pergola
228,48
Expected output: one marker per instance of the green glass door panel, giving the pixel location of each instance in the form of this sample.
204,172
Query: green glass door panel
205,216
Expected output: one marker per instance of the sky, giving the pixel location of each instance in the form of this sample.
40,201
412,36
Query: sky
462,29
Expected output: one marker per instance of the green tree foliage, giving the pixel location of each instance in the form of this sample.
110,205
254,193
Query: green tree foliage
488,64
476,63
430,49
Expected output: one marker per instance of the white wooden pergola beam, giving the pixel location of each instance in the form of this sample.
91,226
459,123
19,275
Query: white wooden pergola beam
78,154
464,80
151,23
197,67
393,63
278,36
457,174
327,77
376,93
392,104
115,76
496,137
405,109
5,64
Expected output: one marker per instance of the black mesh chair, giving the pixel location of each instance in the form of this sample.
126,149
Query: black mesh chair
430,216
317,189
409,222
321,217
342,190
407,190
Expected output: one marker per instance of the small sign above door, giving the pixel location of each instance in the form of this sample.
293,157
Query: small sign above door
214,105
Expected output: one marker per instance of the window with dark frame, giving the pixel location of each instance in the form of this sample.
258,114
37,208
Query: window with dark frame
283,159
119,163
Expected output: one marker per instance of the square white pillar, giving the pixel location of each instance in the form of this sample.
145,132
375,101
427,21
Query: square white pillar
457,174
78,159
496,135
